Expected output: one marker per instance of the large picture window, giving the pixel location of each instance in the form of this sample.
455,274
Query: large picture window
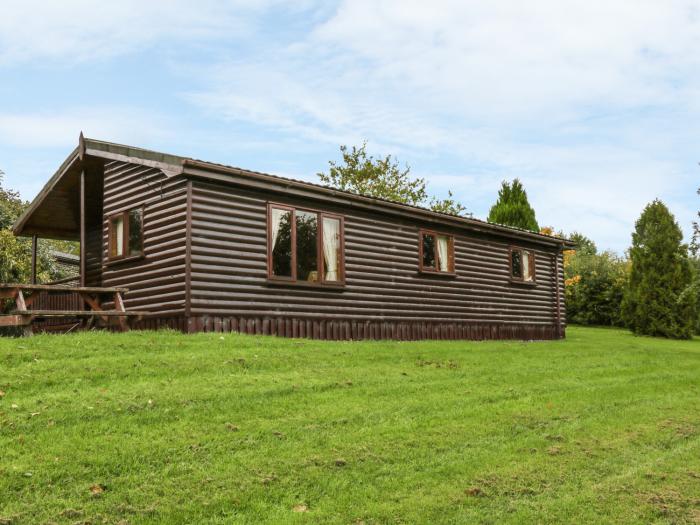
304,246
126,234
522,265
436,252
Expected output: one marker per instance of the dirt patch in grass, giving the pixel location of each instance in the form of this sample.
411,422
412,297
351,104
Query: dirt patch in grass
672,505
448,364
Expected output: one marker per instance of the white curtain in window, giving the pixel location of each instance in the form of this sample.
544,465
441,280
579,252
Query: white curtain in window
527,272
443,247
276,218
331,247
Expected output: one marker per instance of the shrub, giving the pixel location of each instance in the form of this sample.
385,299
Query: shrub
594,287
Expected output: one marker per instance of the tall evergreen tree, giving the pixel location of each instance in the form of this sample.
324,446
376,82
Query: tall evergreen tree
695,244
512,207
655,303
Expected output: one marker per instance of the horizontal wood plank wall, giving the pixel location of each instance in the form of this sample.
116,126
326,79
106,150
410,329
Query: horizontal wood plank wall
94,182
56,301
156,282
385,296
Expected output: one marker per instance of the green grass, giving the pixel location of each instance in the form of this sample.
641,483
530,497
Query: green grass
166,428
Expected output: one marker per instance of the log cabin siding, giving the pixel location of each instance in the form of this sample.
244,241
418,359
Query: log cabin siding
94,182
204,265
384,296
156,281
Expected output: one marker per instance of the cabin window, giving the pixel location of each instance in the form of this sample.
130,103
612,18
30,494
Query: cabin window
522,264
436,252
126,234
331,249
281,243
304,246
307,246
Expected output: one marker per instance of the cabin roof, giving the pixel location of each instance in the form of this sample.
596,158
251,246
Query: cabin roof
174,165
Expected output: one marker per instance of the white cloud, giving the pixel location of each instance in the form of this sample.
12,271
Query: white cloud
61,129
73,31
592,104
512,58
55,134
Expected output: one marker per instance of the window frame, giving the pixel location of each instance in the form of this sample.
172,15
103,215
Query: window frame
293,279
450,256
126,255
522,280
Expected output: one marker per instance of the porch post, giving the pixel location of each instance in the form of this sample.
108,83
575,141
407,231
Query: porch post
35,239
82,227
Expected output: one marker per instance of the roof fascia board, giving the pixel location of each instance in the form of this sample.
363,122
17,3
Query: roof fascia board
169,164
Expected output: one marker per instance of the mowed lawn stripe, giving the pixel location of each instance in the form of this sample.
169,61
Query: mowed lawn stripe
208,428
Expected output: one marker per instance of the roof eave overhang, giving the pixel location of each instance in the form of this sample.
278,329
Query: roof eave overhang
171,165
261,181
71,160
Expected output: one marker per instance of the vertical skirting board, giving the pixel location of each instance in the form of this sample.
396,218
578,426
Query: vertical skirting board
358,330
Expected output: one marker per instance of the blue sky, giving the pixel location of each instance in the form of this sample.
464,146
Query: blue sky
594,105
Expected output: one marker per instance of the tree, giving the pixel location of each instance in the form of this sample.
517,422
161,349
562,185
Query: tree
512,207
11,206
594,288
657,301
594,283
448,205
694,290
15,252
584,245
384,179
695,243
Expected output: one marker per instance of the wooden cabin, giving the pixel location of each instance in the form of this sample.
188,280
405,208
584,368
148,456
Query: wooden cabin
207,247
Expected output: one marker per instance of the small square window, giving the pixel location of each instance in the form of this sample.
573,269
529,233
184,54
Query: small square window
436,252
522,265
126,234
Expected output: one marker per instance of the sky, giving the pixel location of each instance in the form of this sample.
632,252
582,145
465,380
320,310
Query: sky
594,104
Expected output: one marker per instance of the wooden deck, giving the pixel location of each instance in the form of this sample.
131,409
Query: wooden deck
89,306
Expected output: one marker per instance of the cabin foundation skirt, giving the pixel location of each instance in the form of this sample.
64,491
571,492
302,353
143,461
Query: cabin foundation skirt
376,330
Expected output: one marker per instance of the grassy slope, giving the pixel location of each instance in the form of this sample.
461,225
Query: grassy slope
602,427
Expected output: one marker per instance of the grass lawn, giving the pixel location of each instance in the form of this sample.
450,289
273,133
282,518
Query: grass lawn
159,427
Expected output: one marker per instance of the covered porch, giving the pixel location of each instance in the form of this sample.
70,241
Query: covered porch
69,207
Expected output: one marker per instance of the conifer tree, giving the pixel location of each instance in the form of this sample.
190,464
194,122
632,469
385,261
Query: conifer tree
655,303
695,244
512,207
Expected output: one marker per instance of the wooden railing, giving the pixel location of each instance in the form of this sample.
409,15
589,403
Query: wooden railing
43,303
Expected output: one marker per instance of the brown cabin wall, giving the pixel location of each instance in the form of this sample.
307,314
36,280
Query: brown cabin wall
384,296
94,189
156,282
